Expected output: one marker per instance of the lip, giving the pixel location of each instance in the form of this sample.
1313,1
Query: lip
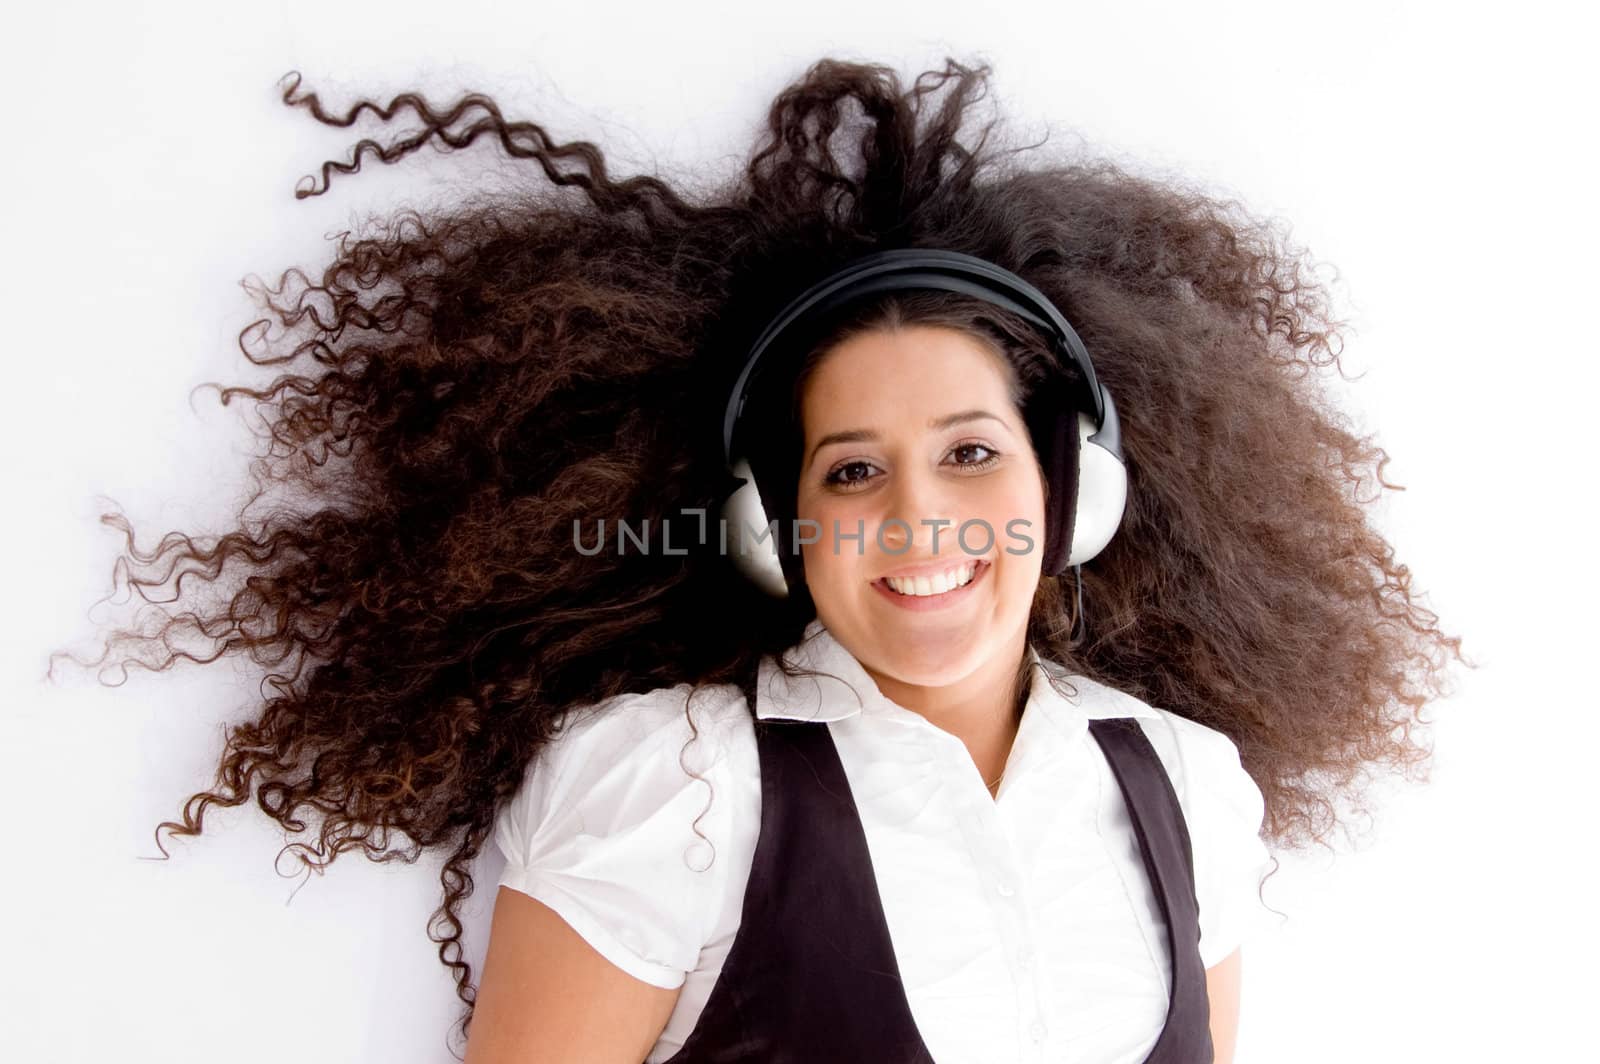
919,603
931,568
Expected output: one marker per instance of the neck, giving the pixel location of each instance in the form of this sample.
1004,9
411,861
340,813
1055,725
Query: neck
983,709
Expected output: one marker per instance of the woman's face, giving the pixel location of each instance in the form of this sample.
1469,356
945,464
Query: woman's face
918,424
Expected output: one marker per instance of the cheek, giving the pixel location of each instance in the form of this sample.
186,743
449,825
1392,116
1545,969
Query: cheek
1020,497
1016,512
831,560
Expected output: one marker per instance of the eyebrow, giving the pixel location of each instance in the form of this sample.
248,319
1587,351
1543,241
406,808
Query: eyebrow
865,435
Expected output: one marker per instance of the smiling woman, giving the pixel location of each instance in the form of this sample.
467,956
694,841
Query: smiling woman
915,472
993,778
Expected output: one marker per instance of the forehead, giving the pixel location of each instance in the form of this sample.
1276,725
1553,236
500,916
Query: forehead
912,371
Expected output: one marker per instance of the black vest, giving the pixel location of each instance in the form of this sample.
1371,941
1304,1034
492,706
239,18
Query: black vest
812,978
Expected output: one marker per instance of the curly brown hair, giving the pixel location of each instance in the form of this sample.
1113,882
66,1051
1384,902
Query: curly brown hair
476,379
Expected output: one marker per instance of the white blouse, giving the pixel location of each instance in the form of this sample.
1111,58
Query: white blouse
1025,926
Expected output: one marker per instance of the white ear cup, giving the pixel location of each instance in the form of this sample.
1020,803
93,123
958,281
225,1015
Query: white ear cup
751,544
1102,494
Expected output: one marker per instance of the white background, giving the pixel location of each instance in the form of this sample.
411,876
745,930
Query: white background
1438,158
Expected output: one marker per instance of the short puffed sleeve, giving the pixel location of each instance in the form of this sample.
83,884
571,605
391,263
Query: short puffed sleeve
612,829
1223,809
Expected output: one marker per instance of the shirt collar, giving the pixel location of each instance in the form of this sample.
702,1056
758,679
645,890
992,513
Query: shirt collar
844,689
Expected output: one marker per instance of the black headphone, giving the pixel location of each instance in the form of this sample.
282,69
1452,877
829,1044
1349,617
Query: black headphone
1073,423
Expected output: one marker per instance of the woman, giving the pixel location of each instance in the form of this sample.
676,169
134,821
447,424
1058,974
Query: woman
1014,820
1013,932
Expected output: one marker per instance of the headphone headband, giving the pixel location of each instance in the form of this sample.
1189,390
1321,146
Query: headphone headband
900,269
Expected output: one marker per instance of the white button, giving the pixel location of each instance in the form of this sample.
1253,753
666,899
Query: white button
1005,889
1036,1031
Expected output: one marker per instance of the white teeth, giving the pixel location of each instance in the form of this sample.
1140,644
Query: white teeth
937,584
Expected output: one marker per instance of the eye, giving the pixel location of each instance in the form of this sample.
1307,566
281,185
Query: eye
834,477
984,463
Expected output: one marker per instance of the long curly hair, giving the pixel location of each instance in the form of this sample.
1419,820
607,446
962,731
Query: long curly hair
466,385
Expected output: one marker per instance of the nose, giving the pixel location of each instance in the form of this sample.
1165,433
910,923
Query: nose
918,507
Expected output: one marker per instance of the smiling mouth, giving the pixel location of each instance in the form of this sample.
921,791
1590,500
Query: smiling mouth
908,589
